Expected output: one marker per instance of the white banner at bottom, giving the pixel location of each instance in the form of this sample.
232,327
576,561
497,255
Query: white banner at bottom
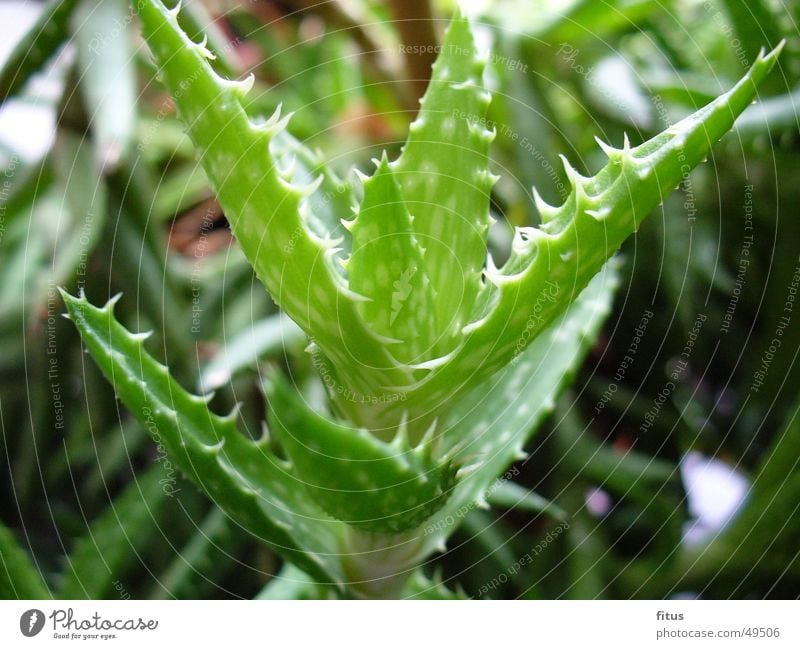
386,625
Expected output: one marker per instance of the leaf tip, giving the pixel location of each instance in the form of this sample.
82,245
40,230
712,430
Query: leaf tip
771,56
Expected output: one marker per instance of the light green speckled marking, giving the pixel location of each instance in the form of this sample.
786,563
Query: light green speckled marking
387,267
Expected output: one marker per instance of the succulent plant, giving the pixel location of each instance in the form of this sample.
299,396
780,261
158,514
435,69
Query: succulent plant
438,363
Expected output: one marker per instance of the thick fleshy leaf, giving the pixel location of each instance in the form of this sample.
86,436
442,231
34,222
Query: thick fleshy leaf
482,326
604,210
549,266
269,211
444,175
242,476
386,266
333,199
492,424
355,477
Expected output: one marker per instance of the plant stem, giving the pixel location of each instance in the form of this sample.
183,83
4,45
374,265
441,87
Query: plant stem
377,566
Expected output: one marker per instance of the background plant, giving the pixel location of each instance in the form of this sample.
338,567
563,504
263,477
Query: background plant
646,541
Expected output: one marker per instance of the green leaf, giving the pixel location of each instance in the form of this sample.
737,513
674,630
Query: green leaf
755,24
19,577
591,19
509,495
386,266
444,175
268,337
482,325
107,74
40,43
491,425
109,547
767,524
198,561
355,477
82,200
269,211
242,476
290,583
550,265
419,586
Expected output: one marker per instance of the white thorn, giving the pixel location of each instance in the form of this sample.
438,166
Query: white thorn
244,86
288,171
477,324
275,117
599,214
215,448
496,279
546,211
111,302
609,150
491,266
400,439
310,188
572,174
428,435
433,363
626,143
203,49
233,415
357,297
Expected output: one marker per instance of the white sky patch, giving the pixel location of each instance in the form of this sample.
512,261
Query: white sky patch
715,492
16,18
28,121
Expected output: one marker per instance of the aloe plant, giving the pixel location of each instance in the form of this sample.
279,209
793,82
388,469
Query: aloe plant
409,321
